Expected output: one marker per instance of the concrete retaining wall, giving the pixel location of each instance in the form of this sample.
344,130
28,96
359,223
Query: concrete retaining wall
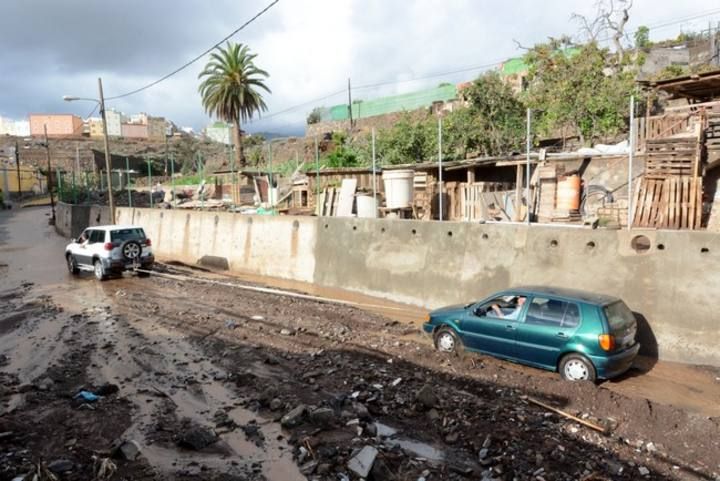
671,285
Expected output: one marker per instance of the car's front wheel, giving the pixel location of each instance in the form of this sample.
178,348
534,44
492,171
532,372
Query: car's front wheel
576,367
99,271
72,265
446,340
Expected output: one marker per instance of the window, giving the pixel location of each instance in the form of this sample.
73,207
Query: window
619,316
505,307
121,235
96,236
551,312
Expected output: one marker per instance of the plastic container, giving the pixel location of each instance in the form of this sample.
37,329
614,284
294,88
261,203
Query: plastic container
398,188
366,206
568,193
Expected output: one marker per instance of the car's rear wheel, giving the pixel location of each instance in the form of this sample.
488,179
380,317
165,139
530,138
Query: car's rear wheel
72,265
576,367
447,341
99,271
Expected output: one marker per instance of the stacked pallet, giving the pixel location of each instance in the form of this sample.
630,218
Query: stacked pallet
669,195
712,138
547,183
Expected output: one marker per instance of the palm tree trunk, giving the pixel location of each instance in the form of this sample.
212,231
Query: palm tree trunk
237,140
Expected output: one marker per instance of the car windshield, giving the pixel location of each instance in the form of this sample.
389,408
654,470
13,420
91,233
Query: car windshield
122,235
619,316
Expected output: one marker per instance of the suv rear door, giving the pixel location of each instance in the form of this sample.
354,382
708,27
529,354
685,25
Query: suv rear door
548,325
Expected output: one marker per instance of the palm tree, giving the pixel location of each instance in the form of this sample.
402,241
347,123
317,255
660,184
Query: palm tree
230,89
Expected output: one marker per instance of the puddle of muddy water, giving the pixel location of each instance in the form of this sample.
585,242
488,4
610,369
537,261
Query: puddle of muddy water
418,448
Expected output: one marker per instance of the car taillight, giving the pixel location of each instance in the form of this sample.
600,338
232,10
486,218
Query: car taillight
607,342
148,242
108,246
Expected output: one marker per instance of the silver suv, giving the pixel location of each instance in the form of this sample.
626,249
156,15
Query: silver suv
110,249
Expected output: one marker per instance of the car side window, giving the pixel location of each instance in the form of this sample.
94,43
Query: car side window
84,236
506,307
96,236
551,312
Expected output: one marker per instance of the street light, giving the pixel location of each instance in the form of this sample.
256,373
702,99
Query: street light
101,102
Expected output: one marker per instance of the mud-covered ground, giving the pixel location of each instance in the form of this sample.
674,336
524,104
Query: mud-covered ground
203,381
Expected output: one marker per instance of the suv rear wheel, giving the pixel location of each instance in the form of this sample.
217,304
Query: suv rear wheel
99,271
72,265
576,367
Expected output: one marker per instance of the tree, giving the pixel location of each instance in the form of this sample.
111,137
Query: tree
642,37
230,89
315,116
497,117
610,16
575,89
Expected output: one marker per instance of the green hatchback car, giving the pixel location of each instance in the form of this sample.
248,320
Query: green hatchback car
582,335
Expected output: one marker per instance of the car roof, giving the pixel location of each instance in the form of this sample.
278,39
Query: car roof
114,227
568,294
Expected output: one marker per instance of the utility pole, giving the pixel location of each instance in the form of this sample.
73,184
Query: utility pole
111,201
17,165
49,167
350,104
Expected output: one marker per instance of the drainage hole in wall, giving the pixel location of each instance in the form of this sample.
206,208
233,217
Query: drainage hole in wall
704,250
414,231
326,226
249,221
296,225
449,233
217,219
553,243
640,244
354,227
162,214
485,236
661,247
590,245
382,229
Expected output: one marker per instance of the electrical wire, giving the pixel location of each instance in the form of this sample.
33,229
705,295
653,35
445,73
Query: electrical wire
187,64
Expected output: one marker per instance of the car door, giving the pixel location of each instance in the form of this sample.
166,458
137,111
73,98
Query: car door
81,249
96,244
488,331
548,325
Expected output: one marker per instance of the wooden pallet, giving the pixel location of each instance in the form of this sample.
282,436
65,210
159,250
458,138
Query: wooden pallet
671,157
670,203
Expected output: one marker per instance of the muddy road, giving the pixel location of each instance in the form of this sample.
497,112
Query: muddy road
202,381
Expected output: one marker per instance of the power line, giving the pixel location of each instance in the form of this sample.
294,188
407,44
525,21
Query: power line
295,107
187,64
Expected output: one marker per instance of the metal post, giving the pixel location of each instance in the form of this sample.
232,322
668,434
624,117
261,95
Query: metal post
270,175
631,154
201,167
147,160
111,200
527,168
374,178
74,191
49,167
165,172
17,165
440,171
317,178
172,177
127,181
350,105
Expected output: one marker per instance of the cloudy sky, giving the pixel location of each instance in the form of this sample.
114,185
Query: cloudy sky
50,48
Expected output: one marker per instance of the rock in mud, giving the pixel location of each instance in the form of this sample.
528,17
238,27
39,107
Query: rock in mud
107,389
197,438
427,397
275,404
362,462
323,416
294,417
60,466
128,450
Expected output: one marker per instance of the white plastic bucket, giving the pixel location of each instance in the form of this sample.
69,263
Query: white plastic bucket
398,188
366,206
